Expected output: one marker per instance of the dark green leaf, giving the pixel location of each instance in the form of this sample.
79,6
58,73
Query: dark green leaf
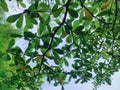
73,13
59,51
16,35
66,62
56,84
78,30
77,81
55,7
29,34
1,54
8,57
57,12
13,18
62,88
11,43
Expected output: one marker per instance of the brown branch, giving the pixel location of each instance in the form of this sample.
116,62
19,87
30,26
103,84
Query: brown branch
113,36
53,35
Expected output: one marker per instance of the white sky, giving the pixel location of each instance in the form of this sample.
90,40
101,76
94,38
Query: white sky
71,86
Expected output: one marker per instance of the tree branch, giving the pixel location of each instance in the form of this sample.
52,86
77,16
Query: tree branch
53,35
83,6
114,23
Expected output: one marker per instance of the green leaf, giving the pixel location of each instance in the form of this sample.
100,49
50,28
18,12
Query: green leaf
59,51
55,7
22,4
56,84
41,28
19,22
1,54
62,88
16,35
13,18
32,7
105,12
57,12
28,34
44,6
77,81
73,13
78,30
66,62
69,39
3,4
28,20
61,63
11,43
8,57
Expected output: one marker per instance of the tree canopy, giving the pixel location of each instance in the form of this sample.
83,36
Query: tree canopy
74,39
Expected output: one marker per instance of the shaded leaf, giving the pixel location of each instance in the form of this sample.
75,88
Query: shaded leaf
11,43
73,13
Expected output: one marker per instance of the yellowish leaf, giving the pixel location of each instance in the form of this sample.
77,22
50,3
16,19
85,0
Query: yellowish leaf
48,53
105,5
37,58
87,14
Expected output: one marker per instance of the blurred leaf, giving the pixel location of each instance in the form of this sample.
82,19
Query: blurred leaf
8,57
22,4
59,51
16,35
11,43
56,84
3,4
66,62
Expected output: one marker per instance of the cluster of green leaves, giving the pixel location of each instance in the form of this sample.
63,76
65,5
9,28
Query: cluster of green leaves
6,76
85,30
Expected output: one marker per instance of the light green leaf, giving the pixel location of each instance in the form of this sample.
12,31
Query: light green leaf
19,22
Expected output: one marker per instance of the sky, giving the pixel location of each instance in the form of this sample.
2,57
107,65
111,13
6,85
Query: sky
87,86
71,86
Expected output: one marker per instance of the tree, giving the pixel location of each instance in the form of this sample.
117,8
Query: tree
5,70
82,35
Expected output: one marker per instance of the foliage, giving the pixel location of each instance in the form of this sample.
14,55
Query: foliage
82,35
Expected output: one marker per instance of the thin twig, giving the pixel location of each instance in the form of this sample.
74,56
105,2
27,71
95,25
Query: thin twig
83,6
